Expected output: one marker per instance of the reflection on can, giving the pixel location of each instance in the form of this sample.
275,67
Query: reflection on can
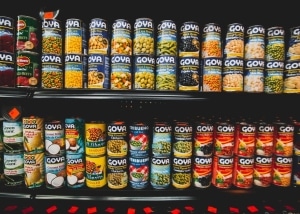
34,168
75,168
160,175
55,171
13,169
162,139
275,44
222,170
243,172
262,171
33,133
182,172
117,176
211,41
143,42
234,42
139,172
282,171
12,136
54,137
202,171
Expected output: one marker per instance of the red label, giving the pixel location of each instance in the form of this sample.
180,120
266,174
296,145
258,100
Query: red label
21,24
23,61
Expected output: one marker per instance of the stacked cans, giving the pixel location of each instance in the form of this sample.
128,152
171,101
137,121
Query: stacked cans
7,51
143,54
296,160
121,55
166,56
98,54
75,54
233,59
275,58
52,55
211,56
27,52
189,53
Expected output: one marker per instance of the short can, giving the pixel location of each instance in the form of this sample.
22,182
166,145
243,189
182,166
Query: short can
222,171
117,175
99,37
166,73
211,45
202,171
13,169
234,41
117,138
52,75
121,40
139,139
98,75
144,72
243,168
74,135
95,138
262,171
55,171
162,139
139,172
166,38
143,41
33,134
96,171
12,136
52,40
7,34
282,171
34,169
75,170
183,139
54,137
160,173
181,175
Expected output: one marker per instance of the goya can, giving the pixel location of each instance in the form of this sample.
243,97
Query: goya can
283,139
189,78
74,37
211,41
166,39
254,75
54,137
234,41
96,170
203,135
13,169
255,42
34,169
233,75
121,72
7,71
181,176
202,171
117,176
293,52
222,171
224,139
121,41
189,42
99,37
282,171
160,173
74,135
212,74
75,170
264,139
245,138
75,71
52,37
275,44
117,139
12,136
273,77
98,75
166,73
52,76
144,72
183,139
7,34
33,134
95,138
262,171
27,34
55,171
139,139
291,77
296,171
27,69
243,168
139,172
162,139
143,41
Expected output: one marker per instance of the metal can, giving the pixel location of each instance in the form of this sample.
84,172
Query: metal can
212,74
294,42
203,134
222,171
7,34
264,139
234,41
75,71
181,176
255,42
166,73
273,77
282,171
143,71
143,34
121,42
202,171
224,139
189,43
117,141
262,171
183,139
12,136
74,135
211,41
117,176
275,44
233,75
296,171
121,72
95,170
243,168
27,34
283,139
51,37
98,75
254,75
139,172
75,169
55,171
160,173
52,71
139,139
245,138
95,138
162,139
189,78
33,133
13,169
54,138
34,168
291,77
98,39
166,39
7,72
74,37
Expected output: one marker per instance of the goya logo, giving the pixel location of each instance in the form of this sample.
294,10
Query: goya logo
167,25
6,23
73,23
121,24
23,61
98,23
51,24
21,24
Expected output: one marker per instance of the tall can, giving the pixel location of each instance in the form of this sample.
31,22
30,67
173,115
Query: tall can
183,139
7,34
13,169
233,75
139,172
75,71
181,176
254,75
74,135
203,138
52,37
166,43
162,139
291,77
7,73
282,171
34,169
273,77
74,37
54,137
264,139
222,171
160,172
202,171
234,41
96,171
188,73
121,72
117,175
33,134
117,139
224,139
12,136
211,45
255,42
98,71
245,139
293,52
95,138
262,171
166,73
283,139
99,37
75,170
139,139
243,168
121,40
211,74
189,39
275,44
55,171
52,75
143,40
143,72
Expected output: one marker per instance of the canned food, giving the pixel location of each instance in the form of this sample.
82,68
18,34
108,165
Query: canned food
55,171
211,41
296,171
121,42
283,139
202,171
143,71
33,133
293,52
262,171
291,77
75,168
51,37
183,139
203,134
233,75
189,77
95,138
245,136
13,169
222,171
255,42
143,42
282,171
160,173
54,137
52,71
162,139
189,44
273,77
98,71
264,139
139,139
117,176
243,172
117,143
98,39
74,37
74,135
34,168
234,41
224,139
181,172
7,34
166,73
7,71
212,74
13,136
75,71
254,76
121,72
139,172
166,38
95,169
275,44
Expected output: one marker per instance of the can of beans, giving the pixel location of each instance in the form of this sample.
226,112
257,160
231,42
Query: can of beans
75,168
13,168
234,41
262,171
189,78
143,41
282,171
291,77
255,42
283,139
222,171
264,139
245,138
162,139
224,139
74,37
117,176
54,138
139,172
202,171
7,34
273,77
233,75
203,134
33,133
27,69
243,172
139,139
121,41
160,173
95,138
117,141
34,168
189,42
27,32
212,74
293,52
98,75
181,172
52,71
55,171
166,38
7,72
183,139
12,136
254,75
211,45
121,72
51,37
166,73
95,170
275,44
143,71
74,135
99,37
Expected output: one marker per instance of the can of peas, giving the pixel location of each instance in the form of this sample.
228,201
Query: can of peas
275,44
51,37
52,71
